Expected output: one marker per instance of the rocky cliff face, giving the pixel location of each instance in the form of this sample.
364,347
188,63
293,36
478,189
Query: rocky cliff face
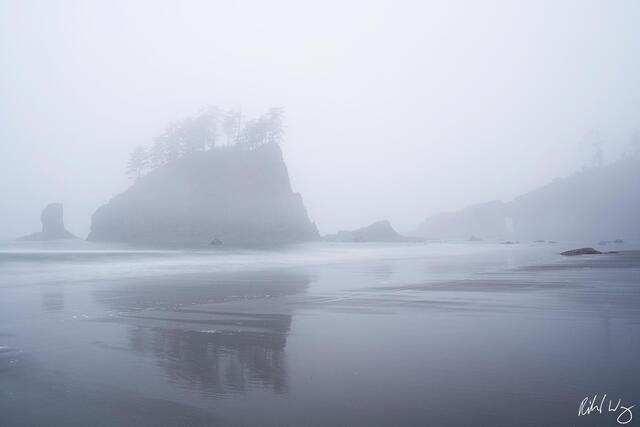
52,225
226,196
600,204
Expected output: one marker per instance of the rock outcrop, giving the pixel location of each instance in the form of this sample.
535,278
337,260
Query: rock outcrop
52,219
223,197
380,231
581,251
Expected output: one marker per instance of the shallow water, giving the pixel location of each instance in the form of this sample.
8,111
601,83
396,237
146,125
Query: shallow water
318,334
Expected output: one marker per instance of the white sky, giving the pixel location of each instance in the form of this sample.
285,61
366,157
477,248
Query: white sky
395,109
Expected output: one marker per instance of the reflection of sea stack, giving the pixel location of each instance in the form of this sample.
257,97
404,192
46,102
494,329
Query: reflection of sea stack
52,225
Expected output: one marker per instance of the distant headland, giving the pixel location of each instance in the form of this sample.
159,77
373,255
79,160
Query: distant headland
598,203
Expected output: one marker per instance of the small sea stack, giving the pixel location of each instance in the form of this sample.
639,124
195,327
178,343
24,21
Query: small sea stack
52,218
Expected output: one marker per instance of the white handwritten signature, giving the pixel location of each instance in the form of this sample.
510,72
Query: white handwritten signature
593,405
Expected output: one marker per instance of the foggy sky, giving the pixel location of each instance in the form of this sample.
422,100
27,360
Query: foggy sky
394,109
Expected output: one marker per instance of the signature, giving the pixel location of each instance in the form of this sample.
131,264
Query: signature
594,405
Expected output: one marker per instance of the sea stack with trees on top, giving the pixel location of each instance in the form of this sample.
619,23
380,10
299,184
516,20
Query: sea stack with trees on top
212,179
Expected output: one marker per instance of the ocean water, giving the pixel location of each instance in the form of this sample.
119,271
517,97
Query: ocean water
318,334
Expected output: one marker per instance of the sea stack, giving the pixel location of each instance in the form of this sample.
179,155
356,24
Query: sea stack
380,231
52,219
228,196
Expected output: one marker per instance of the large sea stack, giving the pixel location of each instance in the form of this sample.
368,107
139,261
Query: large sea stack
228,196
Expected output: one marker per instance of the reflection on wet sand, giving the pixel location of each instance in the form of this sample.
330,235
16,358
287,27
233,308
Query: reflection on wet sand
375,342
219,363
205,332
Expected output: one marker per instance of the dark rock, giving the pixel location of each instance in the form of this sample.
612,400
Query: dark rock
581,251
215,242
52,225
618,241
603,242
508,242
242,197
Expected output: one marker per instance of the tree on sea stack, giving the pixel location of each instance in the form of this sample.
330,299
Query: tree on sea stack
166,147
232,126
172,138
266,129
138,162
199,133
208,123
275,130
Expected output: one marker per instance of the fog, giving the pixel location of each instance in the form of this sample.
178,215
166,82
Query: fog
280,212
394,110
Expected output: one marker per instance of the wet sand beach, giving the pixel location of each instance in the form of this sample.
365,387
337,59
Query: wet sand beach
322,334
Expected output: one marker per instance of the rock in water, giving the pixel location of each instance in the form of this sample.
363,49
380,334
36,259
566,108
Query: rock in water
52,225
237,196
380,231
581,251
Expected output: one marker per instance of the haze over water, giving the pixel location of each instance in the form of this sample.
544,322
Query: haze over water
315,334
319,213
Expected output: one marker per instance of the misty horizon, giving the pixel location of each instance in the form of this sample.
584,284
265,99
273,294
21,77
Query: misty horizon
339,213
421,108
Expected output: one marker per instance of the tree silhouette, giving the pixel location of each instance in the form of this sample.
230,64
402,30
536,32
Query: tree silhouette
275,131
157,153
232,127
209,121
201,132
252,133
138,162
166,147
266,129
